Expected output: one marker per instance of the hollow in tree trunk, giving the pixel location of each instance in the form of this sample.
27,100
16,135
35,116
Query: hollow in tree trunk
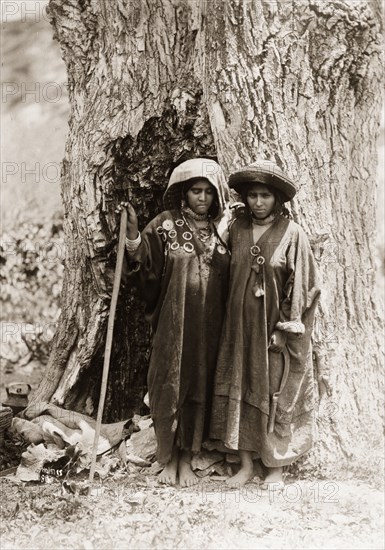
154,83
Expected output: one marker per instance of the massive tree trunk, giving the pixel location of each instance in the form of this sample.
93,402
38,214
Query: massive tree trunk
155,82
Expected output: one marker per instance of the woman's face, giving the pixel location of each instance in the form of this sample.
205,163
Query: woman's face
260,200
200,196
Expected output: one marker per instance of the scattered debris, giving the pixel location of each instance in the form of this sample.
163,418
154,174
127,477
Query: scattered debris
17,396
141,447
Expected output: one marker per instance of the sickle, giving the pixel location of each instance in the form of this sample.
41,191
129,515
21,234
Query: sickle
275,396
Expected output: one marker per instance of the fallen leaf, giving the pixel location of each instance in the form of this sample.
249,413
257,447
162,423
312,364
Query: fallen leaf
138,461
142,444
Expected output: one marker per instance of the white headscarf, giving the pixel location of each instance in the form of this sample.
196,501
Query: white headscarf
197,168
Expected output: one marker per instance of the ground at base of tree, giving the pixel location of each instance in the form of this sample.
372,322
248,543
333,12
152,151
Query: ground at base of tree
132,510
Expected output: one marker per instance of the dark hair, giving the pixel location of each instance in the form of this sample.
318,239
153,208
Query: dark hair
279,206
186,186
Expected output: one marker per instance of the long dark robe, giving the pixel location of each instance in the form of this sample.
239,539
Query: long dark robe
247,372
184,283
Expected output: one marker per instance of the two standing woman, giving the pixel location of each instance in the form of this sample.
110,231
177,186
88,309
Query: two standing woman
261,401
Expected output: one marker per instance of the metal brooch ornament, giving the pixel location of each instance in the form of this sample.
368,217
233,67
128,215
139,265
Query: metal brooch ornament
188,247
168,225
255,250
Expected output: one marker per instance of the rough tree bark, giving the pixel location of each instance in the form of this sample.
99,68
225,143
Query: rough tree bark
154,82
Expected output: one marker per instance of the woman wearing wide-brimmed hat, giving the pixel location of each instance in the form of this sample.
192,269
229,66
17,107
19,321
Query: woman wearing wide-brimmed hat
263,403
183,265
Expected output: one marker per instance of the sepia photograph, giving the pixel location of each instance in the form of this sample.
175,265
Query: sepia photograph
192,266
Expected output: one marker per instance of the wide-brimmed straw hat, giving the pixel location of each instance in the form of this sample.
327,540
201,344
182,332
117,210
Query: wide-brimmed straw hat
265,172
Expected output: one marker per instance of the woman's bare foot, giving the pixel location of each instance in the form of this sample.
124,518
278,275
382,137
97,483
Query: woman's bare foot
274,479
245,474
187,478
169,472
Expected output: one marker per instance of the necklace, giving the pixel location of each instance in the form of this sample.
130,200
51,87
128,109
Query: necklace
265,221
203,233
199,217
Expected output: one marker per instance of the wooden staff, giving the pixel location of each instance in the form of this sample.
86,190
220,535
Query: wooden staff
110,333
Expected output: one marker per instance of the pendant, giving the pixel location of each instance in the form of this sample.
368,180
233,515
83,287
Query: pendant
258,287
204,234
258,290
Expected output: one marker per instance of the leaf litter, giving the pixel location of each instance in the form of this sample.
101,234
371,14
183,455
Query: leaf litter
126,507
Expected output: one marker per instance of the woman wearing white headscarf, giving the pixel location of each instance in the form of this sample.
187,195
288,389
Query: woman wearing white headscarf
183,269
